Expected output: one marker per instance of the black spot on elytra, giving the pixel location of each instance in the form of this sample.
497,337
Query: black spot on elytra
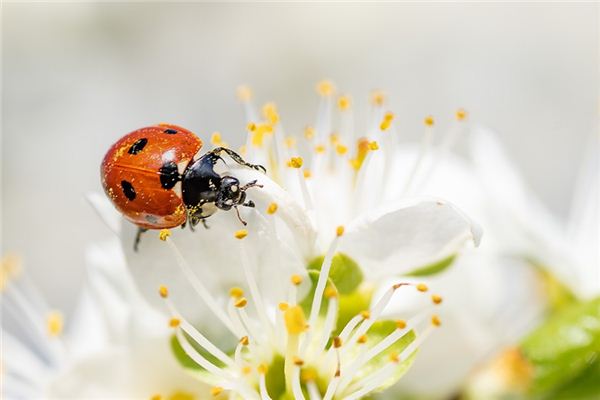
138,146
169,175
128,190
170,131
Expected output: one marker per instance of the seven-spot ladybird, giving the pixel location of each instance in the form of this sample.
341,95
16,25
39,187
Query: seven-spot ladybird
152,177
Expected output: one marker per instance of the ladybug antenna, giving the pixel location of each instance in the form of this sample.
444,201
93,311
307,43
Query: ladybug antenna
249,185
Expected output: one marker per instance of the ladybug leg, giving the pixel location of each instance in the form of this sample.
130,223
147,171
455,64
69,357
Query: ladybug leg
249,203
138,237
237,158
204,223
237,211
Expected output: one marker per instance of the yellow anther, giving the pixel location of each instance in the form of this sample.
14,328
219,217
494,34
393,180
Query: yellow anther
325,88
339,231
216,139
270,113
241,302
290,142
216,390
330,292
244,341
296,279
362,146
164,234
295,162
400,324
283,306
295,321
435,321
174,322
156,397
385,125
436,299
344,103
461,114
366,314
244,93
337,342
320,149
9,268
341,149
421,287
236,292
262,369
298,361
163,291
307,174
377,98
309,132
246,370
308,375
388,116
373,146
251,126
54,323
362,339
259,132
394,357
242,233
272,209
334,138
429,121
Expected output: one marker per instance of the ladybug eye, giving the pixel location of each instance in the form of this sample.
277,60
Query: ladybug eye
234,188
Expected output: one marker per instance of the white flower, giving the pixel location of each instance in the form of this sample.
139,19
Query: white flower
113,347
331,206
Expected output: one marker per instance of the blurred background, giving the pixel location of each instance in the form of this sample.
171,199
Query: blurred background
76,77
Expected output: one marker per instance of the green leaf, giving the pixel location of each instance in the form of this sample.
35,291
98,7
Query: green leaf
583,387
434,268
345,273
377,333
564,347
558,294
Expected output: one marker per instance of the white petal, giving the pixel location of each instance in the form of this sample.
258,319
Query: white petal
105,210
402,237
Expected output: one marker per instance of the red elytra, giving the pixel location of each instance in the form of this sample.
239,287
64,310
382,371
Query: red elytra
136,174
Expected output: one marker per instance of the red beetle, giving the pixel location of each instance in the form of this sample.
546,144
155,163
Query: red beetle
153,178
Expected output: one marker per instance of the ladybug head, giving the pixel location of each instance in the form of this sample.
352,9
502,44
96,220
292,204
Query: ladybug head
230,193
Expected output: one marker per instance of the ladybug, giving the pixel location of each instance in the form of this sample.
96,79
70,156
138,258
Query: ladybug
153,177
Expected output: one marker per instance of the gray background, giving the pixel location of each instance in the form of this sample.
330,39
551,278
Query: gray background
77,76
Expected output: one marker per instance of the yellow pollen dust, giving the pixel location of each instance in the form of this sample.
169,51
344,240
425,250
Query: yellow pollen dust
216,390
339,231
163,291
330,292
251,126
394,357
295,321
242,233
244,341
362,339
262,369
272,209
216,139
298,361
435,321
283,306
309,132
269,111
337,342
174,322
365,314
344,103
54,323
296,279
295,162
246,370
429,121
421,287
290,142
9,268
164,234
373,146
244,93
461,114
241,303
377,98
341,149
436,299
400,324
307,174
236,292
320,149
325,88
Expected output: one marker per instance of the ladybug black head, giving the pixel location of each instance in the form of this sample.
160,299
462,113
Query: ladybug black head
230,193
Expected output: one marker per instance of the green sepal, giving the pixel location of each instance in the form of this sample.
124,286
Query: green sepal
190,365
434,268
345,273
352,304
306,302
564,347
558,294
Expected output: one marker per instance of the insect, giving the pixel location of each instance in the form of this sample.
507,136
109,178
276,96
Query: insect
154,179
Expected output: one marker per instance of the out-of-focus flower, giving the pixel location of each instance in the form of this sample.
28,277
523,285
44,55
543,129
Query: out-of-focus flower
330,226
114,347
